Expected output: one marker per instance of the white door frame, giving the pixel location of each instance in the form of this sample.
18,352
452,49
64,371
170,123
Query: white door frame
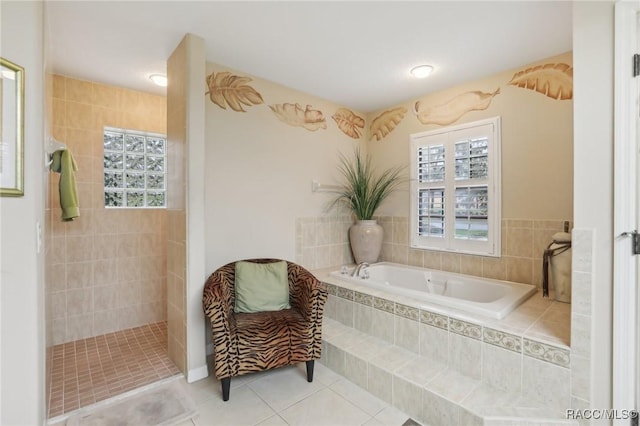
625,206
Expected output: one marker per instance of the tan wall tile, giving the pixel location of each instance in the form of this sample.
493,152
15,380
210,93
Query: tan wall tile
106,221
520,269
82,225
78,248
105,272
59,87
59,113
519,223
519,242
128,245
106,117
85,195
400,231
494,267
451,262
79,301
105,96
78,91
471,265
541,240
80,116
432,259
416,257
128,269
79,143
399,253
79,274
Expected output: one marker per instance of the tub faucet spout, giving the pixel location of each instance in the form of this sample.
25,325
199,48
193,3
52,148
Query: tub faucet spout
358,269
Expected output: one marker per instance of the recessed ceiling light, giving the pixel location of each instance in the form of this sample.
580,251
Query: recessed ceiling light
159,79
421,71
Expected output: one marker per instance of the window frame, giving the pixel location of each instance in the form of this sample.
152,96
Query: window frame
449,136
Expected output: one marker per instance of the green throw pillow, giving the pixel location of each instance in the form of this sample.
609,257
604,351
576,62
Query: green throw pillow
261,287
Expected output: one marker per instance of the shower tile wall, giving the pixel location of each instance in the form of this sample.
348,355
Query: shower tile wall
176,208
107,269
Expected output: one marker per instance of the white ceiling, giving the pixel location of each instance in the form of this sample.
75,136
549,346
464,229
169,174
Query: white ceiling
356,54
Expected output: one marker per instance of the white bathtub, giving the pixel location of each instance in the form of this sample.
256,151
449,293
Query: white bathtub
474,295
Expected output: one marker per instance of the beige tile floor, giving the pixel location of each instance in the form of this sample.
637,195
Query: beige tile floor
276,397
284,397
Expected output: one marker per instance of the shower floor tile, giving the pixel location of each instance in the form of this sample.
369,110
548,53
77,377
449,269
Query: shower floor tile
90,370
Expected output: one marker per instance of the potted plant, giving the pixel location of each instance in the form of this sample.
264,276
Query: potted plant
363,190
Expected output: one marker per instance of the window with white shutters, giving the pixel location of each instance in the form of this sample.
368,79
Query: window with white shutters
455,188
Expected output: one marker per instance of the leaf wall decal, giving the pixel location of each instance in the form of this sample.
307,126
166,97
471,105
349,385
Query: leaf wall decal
294,115
455,108
348,122
552,80
384,124
229,89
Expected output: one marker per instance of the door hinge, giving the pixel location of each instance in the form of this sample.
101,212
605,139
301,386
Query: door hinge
635,241
636,65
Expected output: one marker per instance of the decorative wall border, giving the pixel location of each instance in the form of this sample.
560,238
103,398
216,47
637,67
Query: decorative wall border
501,339
512,342
465,328
434,319
546,352
408,312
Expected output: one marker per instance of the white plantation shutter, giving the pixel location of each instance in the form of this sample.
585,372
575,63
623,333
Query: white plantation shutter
455,188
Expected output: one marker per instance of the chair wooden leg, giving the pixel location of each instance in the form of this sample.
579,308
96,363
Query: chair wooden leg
226,384
310,371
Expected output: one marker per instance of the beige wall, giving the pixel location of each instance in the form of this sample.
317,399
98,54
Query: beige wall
22,310
107,268
261,170
537,146
592,326
259,174
537,178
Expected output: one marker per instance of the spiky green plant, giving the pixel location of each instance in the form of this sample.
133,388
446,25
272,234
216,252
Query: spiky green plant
363,189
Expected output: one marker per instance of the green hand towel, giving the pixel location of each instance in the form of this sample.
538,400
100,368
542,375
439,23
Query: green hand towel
64,164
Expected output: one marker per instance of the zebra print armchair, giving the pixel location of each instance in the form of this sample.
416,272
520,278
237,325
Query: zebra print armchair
250,342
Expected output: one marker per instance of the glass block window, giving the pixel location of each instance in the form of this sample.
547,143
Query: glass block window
135,169
455,189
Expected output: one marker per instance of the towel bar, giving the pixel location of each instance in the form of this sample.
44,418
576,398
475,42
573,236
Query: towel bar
52,146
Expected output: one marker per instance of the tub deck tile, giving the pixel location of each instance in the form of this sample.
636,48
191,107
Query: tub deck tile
420,370
463,397
453,385
392,358
486,395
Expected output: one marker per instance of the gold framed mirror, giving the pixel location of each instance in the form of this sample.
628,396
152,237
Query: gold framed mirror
11,129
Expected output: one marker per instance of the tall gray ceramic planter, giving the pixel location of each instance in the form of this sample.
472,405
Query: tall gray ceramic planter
365,237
